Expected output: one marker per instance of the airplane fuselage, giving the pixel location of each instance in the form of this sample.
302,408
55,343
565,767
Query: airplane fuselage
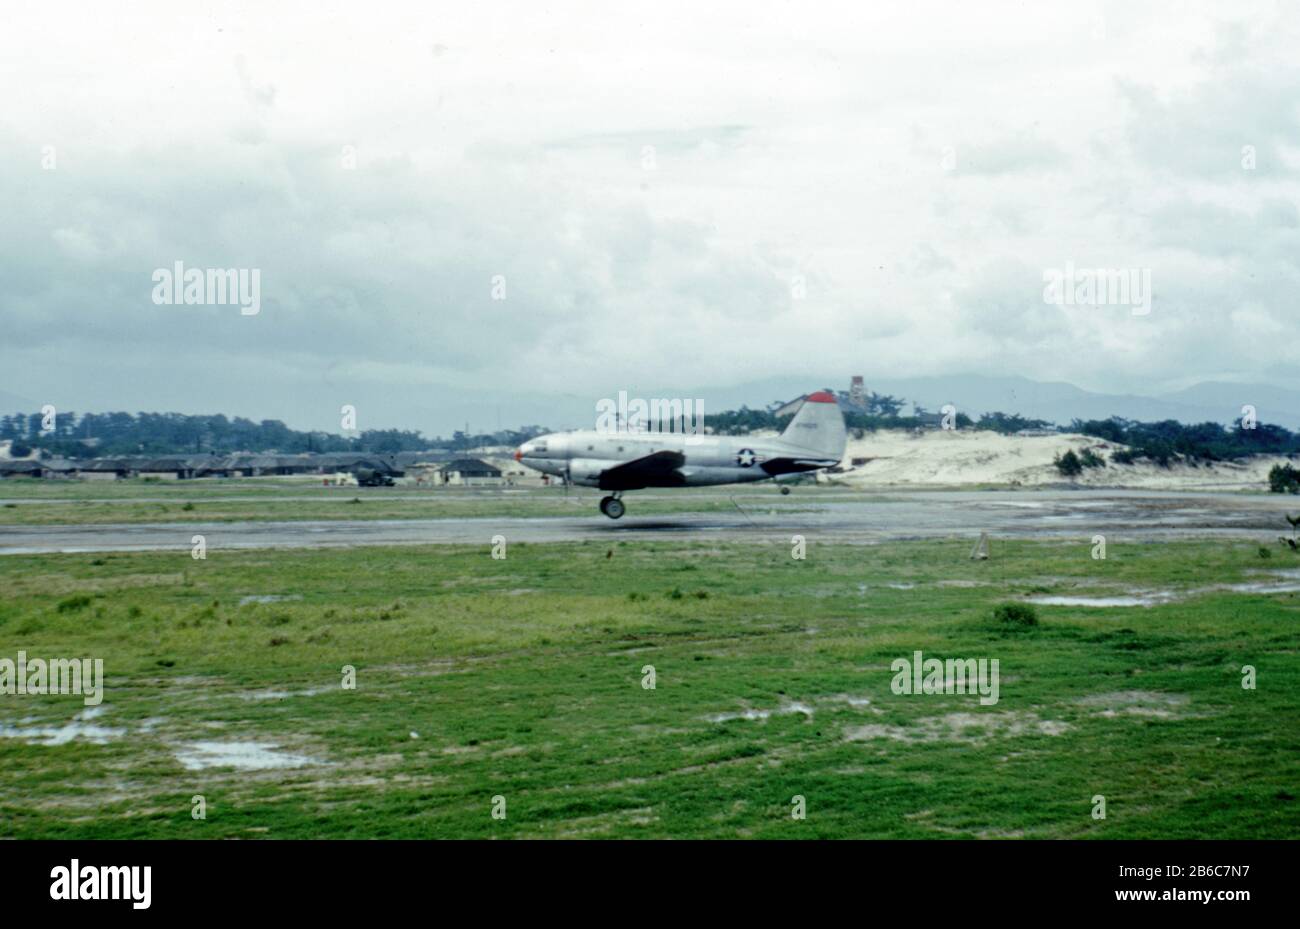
618,461
587,458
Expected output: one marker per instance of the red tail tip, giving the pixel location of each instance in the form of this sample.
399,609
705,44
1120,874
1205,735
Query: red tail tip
821,396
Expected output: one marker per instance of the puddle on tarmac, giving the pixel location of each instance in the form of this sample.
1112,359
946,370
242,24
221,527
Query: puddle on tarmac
79,728
960,727
785,709
1136,703
282,694
1260,587
247,756
1157,597
1144,600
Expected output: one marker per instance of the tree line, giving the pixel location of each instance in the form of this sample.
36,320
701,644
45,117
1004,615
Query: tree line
108,434
91,435
1168,441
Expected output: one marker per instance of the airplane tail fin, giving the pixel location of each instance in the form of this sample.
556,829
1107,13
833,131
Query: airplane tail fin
818,426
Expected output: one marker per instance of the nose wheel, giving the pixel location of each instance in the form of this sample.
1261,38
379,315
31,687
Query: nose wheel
611,507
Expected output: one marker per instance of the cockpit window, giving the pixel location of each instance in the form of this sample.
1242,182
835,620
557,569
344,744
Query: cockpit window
539,446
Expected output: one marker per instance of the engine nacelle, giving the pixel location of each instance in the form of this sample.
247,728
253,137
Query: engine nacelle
585,472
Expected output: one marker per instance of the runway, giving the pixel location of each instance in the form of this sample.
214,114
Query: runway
1119,515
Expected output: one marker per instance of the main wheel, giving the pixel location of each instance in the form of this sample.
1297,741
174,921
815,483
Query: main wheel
611,507
785,491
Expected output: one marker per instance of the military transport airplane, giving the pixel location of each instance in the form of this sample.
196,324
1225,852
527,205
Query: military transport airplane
622,461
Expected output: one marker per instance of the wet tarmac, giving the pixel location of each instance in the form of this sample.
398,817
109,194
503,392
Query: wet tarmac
1119,515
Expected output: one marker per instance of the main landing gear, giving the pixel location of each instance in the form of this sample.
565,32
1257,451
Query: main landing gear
611,506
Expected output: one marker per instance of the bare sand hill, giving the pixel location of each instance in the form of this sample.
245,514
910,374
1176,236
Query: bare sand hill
939,458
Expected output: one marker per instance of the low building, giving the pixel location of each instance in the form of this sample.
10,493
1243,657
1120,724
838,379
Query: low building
21,467
59,468
173,467
517,473
265,465
470,472
105,469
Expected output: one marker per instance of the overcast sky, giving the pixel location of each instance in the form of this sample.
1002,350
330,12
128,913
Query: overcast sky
677,196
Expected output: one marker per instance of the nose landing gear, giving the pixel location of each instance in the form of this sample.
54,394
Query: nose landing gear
612,506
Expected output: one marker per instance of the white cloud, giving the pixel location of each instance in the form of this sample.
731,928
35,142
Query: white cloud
785,142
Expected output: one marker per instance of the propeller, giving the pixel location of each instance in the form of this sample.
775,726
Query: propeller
566,479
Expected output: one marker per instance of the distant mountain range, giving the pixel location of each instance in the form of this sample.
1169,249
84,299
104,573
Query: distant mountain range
487,411
1209,401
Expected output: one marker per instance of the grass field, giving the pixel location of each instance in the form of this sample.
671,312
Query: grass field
523,678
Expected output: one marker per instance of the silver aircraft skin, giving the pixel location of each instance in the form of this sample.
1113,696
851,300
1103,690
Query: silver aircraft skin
622,461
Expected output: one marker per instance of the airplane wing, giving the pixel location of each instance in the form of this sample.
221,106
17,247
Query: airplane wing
776,466
640,472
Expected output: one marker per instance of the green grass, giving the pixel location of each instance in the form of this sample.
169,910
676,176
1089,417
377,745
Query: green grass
523,678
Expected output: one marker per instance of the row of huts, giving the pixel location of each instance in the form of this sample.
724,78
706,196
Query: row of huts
426,467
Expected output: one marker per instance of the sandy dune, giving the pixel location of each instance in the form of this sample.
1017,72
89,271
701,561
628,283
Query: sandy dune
939,458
